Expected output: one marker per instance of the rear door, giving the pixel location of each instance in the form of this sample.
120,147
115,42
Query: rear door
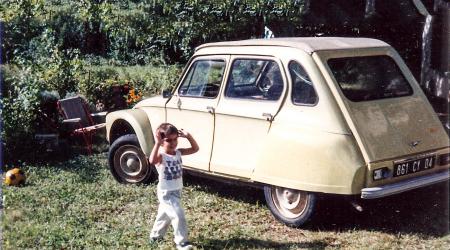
387,111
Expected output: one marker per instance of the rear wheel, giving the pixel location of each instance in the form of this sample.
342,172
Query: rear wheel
127,162
293,207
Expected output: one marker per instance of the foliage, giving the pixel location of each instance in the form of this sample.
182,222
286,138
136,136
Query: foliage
100,84
77,204
42,67
29,106
134,32
20,104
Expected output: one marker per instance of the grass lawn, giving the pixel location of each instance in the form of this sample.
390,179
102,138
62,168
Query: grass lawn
77,204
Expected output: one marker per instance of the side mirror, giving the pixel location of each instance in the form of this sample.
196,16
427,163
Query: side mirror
166,93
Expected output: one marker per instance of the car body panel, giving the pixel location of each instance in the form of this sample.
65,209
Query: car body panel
138,120
306,44
155,101
386,128
305,158
389,164
241,126
194,115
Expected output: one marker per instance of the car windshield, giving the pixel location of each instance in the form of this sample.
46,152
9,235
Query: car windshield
369,78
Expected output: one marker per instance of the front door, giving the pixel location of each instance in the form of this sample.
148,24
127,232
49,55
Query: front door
192,107
252,97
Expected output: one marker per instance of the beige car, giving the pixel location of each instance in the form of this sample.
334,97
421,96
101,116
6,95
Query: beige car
298,116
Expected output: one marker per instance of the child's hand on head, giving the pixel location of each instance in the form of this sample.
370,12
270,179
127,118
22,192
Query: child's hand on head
183,133
158,138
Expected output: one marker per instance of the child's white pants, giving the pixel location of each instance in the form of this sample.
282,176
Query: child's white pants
170,211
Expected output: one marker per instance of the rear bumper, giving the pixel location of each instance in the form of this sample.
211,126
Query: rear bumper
395,188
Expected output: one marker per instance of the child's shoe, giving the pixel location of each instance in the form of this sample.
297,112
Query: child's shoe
155,240
185,246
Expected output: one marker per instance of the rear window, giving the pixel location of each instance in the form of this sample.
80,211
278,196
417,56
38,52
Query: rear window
369,78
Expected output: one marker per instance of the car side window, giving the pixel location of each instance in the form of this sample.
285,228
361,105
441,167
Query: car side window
203,79
255,79
302,88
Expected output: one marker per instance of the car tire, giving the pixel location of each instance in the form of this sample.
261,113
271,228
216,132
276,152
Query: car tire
128,163
292,207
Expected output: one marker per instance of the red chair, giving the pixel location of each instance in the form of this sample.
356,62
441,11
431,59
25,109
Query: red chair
79,119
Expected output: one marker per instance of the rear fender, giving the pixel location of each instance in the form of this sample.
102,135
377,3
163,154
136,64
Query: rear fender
306,159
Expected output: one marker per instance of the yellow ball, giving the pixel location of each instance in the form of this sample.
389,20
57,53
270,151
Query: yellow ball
15,177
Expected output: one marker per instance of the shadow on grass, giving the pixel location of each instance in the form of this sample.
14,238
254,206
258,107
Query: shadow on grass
74,157
423,211
244,243
66,150
86,167
230,190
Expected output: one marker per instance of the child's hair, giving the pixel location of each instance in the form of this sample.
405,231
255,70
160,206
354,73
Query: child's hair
166,129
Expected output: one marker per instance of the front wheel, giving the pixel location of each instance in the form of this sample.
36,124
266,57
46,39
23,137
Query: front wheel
127,163
292,207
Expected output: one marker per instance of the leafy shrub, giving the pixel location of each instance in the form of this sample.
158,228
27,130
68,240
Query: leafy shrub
135,32
20,106
100,83
27,105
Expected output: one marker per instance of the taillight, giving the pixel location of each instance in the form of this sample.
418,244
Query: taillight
380,173
444,159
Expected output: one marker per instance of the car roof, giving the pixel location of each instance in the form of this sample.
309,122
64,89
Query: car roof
308,44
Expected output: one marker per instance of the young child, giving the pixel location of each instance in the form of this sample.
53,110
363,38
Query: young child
167,159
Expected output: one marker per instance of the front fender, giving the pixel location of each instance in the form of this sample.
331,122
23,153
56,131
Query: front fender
139,122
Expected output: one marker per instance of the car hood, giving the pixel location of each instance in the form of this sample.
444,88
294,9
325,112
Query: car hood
155,101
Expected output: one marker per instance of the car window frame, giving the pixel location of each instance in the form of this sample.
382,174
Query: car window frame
255,57
190,67
292,86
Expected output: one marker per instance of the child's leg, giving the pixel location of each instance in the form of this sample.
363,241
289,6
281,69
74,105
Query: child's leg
162,220
176,213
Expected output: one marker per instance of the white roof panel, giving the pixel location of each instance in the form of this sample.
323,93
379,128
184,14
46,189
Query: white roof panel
308,44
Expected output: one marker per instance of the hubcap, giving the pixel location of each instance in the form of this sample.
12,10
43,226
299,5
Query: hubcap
289,199
290,203
130,164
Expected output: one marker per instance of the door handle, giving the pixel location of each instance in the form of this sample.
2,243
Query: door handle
179,103
268,116
210,109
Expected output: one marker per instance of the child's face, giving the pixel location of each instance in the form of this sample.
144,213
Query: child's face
170,143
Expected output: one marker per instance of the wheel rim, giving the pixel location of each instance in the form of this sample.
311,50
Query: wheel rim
290,203
130,164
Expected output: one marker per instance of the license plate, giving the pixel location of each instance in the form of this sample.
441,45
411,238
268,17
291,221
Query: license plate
414,166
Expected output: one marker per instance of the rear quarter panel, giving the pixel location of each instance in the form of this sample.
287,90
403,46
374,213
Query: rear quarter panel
309,159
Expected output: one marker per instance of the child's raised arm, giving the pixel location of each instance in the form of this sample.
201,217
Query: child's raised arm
155,157
194,146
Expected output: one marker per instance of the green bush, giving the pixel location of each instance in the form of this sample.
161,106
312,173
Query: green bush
20,106
99,82
135,32
28,106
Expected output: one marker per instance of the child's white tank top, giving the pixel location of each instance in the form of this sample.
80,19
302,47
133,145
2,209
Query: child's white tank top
170,172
